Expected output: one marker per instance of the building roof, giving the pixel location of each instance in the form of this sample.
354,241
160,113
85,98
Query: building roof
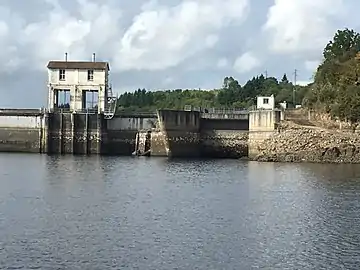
78,65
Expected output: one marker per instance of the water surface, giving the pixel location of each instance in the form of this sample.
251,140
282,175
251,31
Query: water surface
153,213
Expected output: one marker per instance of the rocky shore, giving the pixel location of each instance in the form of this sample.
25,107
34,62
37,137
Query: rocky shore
296,143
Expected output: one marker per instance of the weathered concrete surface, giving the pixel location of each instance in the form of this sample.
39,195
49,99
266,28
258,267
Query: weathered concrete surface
182,132
183,144
21,133
224,124
159,144
224,143
262,125
121,142
122,130
69,133
127,122
295,143
20,140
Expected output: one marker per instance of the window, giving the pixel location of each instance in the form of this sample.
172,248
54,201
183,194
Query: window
90,99
62,99
265,101
62,74
90,75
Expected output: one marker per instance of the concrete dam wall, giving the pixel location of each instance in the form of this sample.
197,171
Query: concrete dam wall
169,133
22,131
191,134
36,131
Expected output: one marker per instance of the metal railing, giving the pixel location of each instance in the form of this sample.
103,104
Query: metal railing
216,110
111,103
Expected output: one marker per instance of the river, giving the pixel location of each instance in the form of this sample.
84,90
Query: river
154,213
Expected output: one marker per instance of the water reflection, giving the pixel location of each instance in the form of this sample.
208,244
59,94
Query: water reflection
154,213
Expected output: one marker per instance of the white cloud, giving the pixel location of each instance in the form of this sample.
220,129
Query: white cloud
246,62
298,26
177,43
161,36
61,32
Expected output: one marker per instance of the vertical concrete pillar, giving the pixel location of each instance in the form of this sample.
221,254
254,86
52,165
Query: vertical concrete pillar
61,133
72,131
99,133
262,125
181,132
44,133
104,135
86,134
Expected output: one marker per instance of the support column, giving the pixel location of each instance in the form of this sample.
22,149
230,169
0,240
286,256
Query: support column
86,134
44,133
61,133
71,137
99,134
262,125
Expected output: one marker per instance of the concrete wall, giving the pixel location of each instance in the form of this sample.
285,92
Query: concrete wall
22,132
159,144
180,134
76,134
131,123
224,138
264,120
122,130
224,124
262,125
224,143
77,77
181,131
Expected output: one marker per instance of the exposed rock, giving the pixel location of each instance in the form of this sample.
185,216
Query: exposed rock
295,143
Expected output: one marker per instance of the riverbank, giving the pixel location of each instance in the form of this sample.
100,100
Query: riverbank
297,143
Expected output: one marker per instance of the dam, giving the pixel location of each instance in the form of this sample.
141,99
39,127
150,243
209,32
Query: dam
167,133
82,118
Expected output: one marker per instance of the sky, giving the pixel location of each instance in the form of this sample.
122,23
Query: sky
165,44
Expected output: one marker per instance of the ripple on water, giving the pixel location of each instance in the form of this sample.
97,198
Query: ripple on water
140,213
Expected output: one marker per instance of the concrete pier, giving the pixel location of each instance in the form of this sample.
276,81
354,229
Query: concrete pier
179,133
262,125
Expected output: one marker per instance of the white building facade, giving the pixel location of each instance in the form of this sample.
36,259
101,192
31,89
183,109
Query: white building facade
78,86
265,103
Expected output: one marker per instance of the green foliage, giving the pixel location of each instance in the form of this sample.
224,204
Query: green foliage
336,87
344,46
231,95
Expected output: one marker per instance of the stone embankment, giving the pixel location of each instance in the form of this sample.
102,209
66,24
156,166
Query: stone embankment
298,143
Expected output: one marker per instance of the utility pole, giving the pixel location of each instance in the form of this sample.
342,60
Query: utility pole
294,89
266,74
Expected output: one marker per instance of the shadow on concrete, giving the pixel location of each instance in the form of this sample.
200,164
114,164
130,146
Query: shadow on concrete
224,144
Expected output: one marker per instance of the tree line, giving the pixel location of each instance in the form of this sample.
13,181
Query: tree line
230,95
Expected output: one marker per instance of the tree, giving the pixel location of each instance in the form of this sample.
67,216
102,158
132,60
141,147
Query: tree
344,46
336,88
346,106
284,79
